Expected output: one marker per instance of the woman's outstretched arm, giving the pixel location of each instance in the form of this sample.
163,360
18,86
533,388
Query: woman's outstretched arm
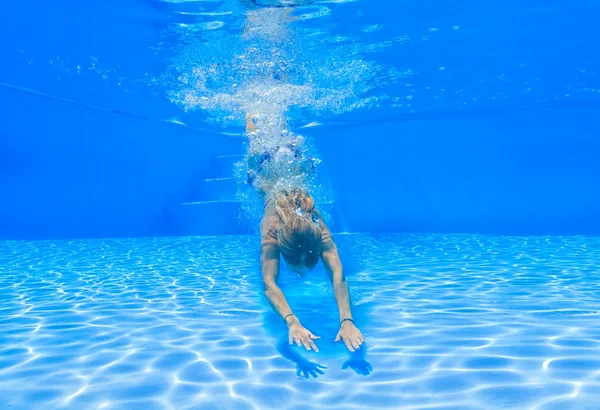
348,332
269,262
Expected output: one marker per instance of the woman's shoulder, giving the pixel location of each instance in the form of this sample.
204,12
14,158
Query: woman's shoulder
326,235
269,226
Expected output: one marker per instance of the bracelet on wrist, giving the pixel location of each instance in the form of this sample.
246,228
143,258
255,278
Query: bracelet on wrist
286,316
347,320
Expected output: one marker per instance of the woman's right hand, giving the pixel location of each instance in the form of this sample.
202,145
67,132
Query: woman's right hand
302,336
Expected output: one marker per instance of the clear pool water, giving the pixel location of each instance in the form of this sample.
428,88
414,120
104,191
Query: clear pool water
125,118
451,322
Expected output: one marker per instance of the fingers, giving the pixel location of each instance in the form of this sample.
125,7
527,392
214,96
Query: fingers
305,341
312,344
358,340
308,343
352,343
313,337
348,344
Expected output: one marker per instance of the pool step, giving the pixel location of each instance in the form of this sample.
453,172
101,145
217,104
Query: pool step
211,207
207,218
212,189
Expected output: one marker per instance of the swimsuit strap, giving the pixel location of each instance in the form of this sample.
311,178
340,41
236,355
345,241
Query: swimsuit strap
271,198
268,201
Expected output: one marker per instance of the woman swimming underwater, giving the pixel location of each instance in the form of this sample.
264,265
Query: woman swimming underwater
293,229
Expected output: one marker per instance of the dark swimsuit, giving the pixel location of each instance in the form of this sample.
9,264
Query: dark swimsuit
267,156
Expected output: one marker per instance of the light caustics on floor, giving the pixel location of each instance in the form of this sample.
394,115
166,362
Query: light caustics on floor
451,322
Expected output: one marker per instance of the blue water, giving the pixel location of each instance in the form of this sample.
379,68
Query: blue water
451,322
125,118
464,116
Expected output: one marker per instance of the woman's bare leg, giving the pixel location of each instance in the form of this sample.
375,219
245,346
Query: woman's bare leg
250,125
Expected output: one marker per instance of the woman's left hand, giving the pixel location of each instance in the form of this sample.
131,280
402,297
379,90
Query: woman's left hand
350,335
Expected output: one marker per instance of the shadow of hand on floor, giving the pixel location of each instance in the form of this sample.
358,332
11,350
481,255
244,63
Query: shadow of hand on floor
304,367
358,363
308,369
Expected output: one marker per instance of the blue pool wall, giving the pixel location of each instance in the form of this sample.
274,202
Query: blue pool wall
69,171
523,172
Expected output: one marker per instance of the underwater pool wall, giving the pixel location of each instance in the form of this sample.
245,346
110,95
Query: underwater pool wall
68,171
530,171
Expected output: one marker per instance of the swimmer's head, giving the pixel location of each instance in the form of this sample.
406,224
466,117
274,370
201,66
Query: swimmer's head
299,235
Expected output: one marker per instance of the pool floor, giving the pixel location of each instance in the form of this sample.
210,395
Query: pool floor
451,322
